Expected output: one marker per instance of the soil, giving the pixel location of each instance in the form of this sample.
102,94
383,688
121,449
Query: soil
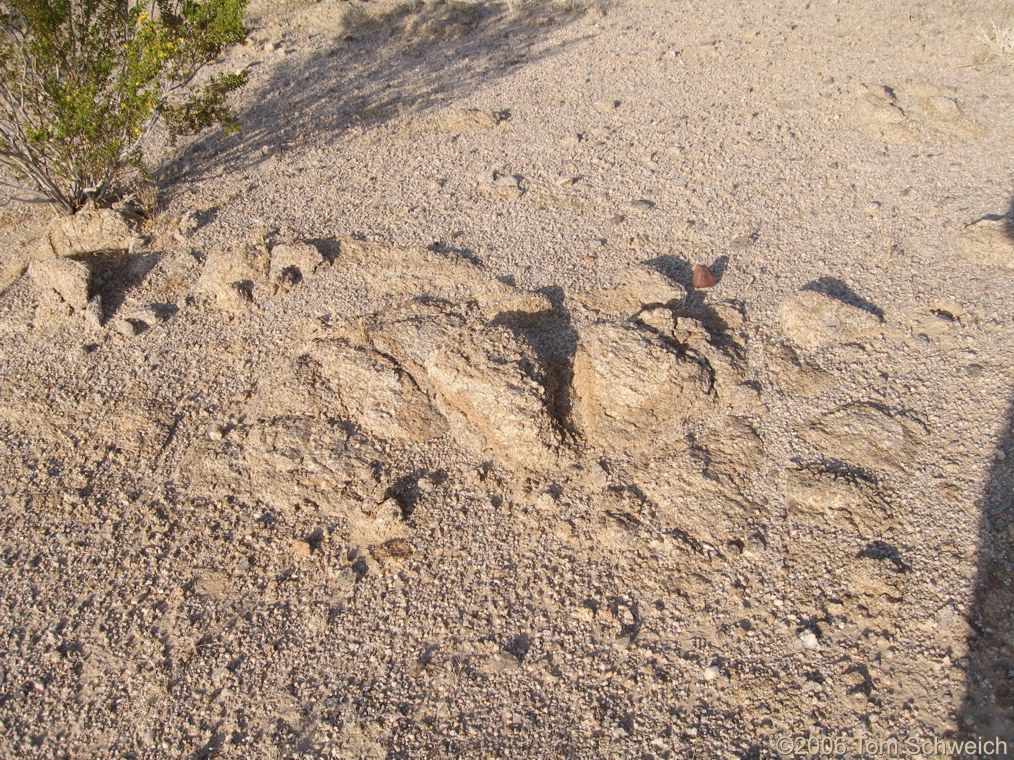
402,430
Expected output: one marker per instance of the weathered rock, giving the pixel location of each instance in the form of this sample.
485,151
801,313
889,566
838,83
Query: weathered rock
513,376
232,277
499,662
67,277
382,531
988,242
732,453
637,288
458,120
867,435
876,583
642,204
10,274
659,318
837,499
909,113
396,275
376,392
632,387
795,374
90,230
128,328
500,185
485,379
291,263
236,278
814,320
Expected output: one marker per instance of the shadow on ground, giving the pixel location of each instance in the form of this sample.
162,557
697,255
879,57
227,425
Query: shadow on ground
988,709
552,336
405,62
115,274
834,288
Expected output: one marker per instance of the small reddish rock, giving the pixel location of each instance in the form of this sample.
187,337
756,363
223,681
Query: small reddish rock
703,278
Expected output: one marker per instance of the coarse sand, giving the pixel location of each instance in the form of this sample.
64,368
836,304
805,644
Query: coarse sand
400,429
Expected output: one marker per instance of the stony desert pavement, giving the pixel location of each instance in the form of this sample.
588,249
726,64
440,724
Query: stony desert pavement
400,431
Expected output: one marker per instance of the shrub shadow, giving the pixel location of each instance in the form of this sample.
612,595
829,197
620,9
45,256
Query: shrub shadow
1009,222
408,61
988,709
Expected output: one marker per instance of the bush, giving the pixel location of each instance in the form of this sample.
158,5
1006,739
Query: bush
1001,44
82,83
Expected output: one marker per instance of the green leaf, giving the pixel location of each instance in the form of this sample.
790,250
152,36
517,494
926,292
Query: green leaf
82,81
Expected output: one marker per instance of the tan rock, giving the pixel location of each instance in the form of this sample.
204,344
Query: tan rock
988,242
291,263
90,230
869,436
630,388
68,278
233,277
814,320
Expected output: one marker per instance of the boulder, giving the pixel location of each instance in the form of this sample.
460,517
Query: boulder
90,230
67,277
814,320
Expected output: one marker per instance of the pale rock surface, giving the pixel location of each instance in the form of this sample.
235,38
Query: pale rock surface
814,320
66,277
90,230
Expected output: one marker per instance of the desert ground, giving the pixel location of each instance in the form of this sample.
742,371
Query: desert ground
400,430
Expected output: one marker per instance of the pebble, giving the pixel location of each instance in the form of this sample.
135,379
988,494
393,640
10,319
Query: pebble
711,673
642,204
704,278
809,640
